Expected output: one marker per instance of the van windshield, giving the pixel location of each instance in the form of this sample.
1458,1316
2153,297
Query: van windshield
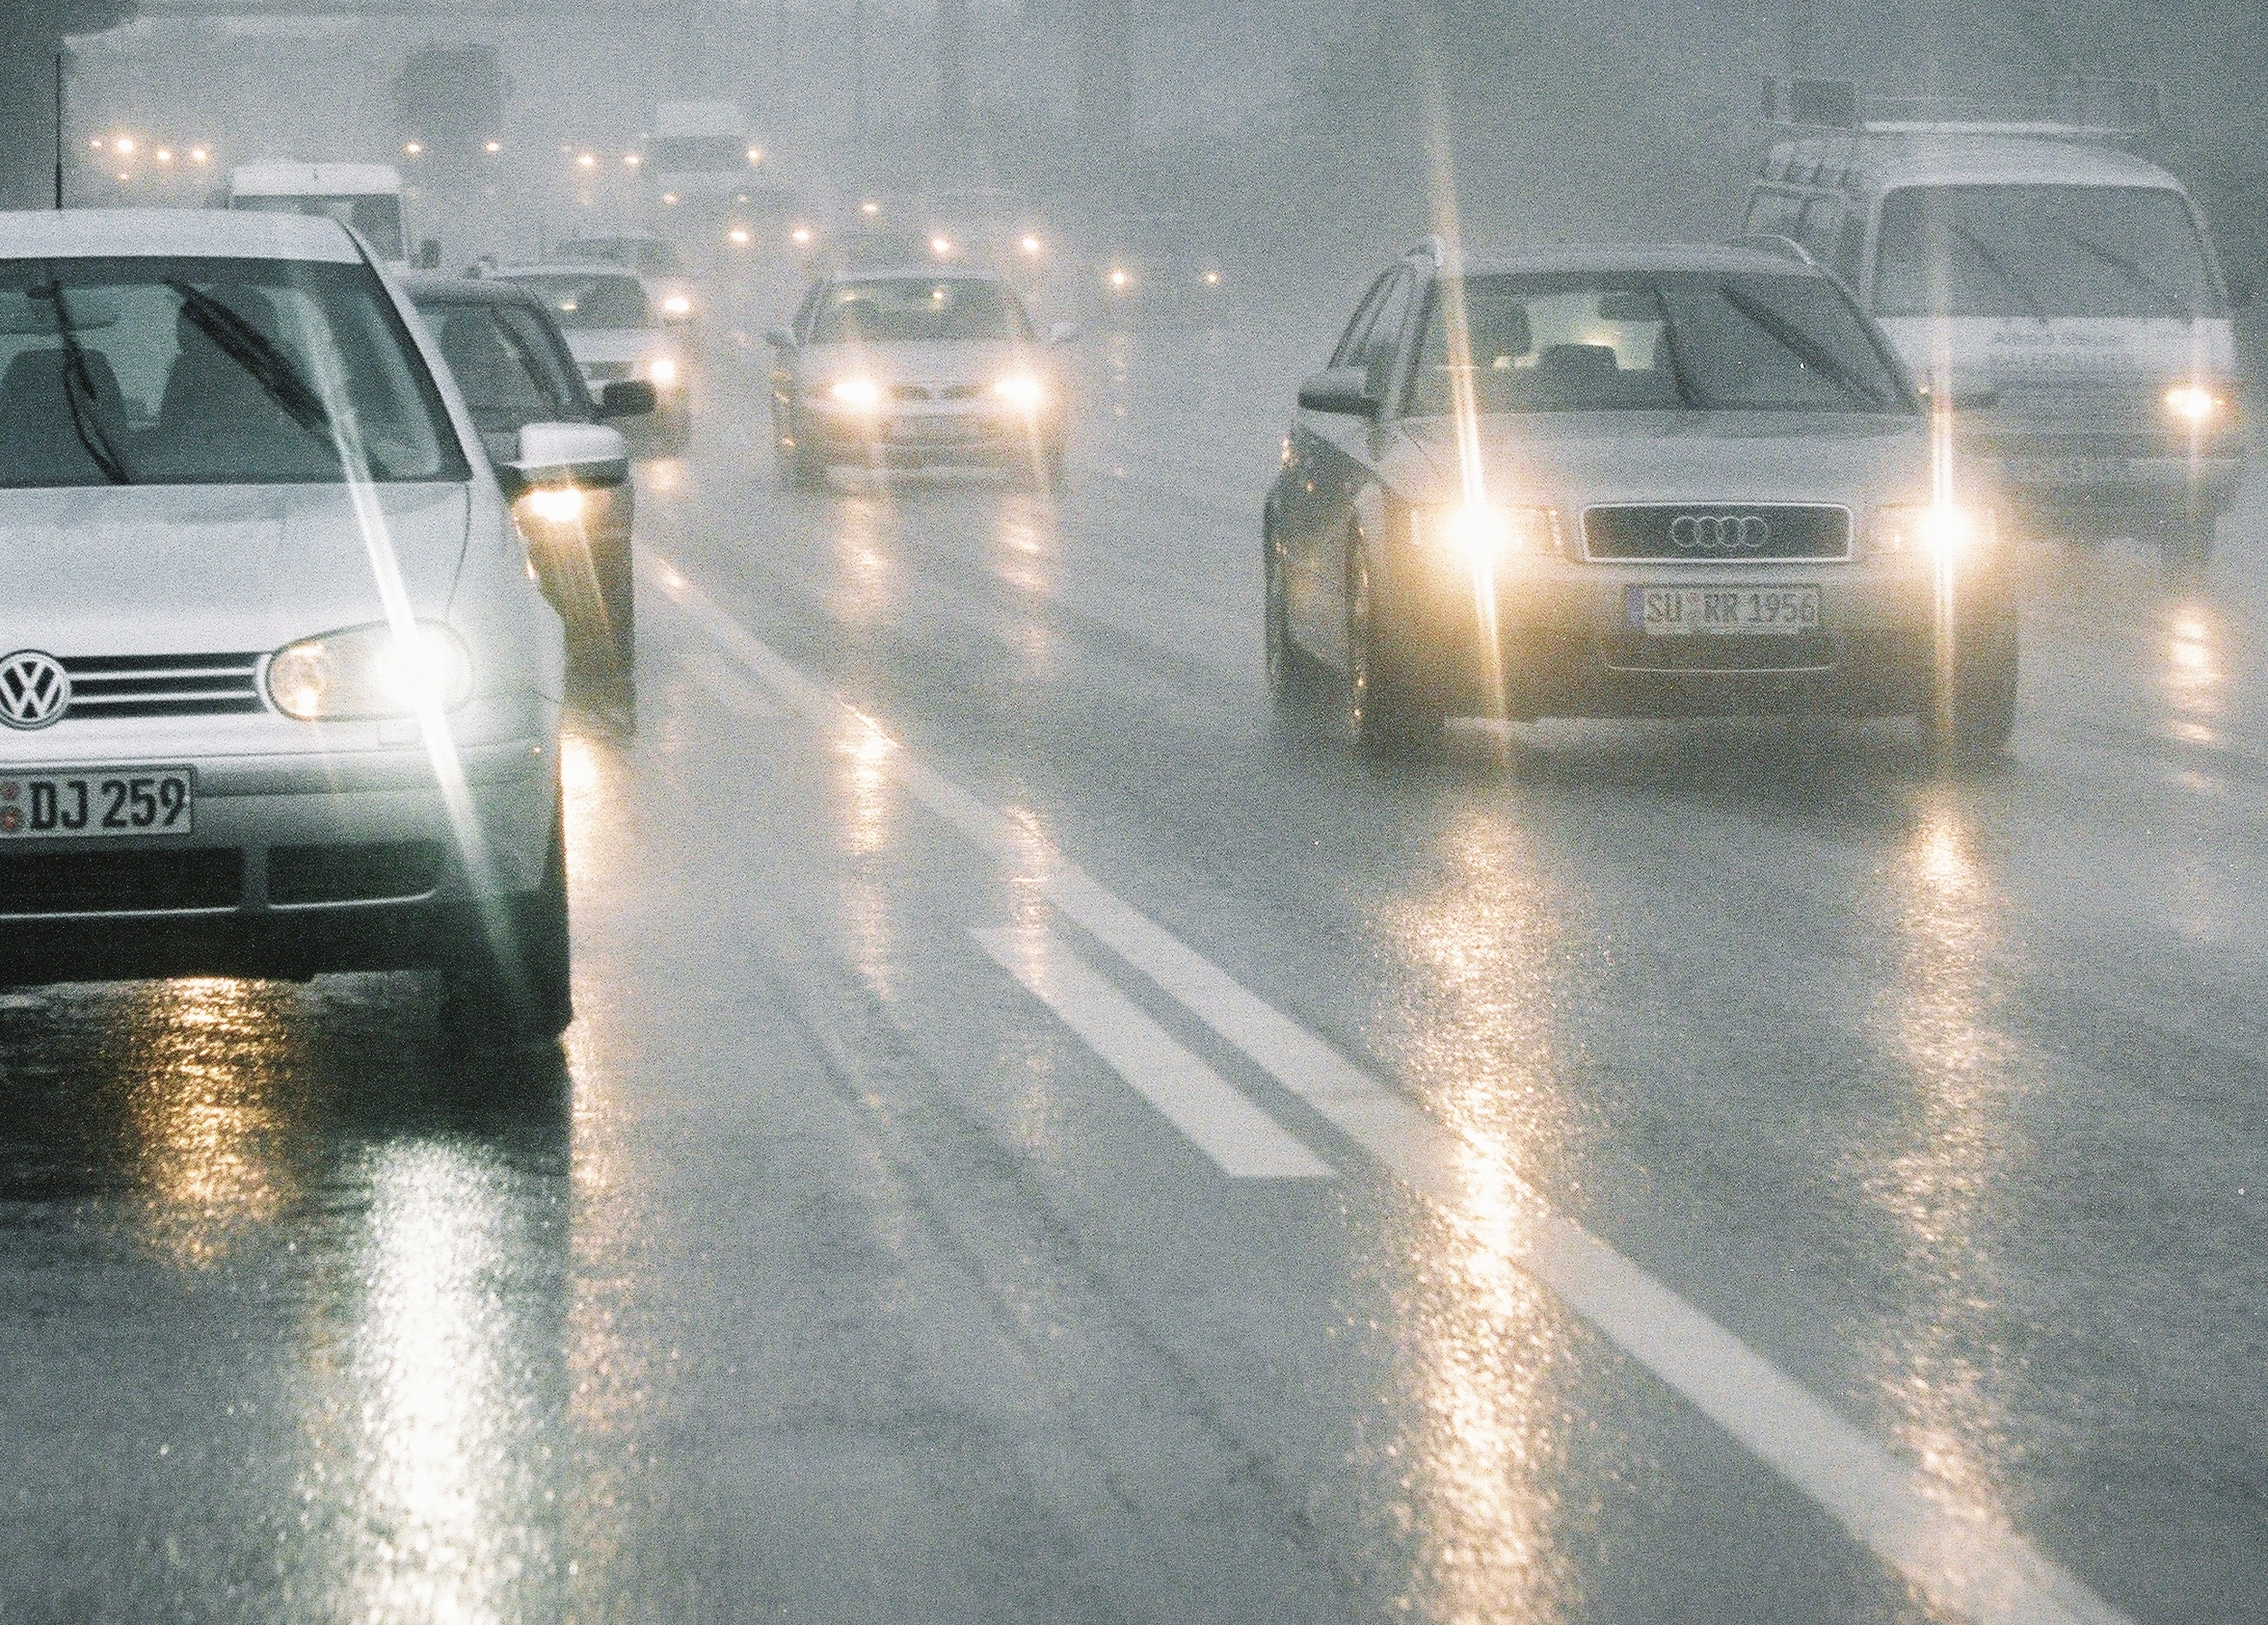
166,371
2119,252
376,215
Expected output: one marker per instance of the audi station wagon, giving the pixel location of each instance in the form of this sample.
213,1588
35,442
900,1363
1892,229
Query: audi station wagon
277,694
1666,482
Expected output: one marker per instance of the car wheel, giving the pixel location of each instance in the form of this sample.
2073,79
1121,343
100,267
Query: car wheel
1384,717
1972,707
1293,676
496,995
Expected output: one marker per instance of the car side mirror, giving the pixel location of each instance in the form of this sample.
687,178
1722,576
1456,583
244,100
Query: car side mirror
628,398
429,254
1343,390
2243,290
1064,333
779,338
590,456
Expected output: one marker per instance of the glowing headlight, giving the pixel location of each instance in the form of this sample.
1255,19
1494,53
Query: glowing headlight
1937,530
676,304
1477,532
556,504
367,672
1021,391
662,371
2194,403
858,394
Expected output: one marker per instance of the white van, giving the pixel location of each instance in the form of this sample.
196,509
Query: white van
2062,289
367,196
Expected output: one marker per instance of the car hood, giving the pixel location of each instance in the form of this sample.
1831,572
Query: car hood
175,570
1573,459
920,364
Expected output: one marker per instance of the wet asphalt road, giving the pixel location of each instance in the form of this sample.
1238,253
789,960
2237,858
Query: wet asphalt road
959,944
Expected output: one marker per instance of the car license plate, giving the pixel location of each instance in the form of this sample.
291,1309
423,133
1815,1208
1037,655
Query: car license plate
1669,612
98,803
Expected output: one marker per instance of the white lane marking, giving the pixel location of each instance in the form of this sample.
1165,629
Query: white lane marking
1964,1559
1246,1142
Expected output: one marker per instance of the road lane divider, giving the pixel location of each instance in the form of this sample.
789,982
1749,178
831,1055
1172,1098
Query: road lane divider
1963,1557
1243,1140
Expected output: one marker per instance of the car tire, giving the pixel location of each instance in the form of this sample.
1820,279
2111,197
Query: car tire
1294,678
1970,717
1386,717
496,995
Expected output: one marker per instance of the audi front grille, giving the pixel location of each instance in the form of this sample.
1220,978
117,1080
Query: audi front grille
1715,532
145,685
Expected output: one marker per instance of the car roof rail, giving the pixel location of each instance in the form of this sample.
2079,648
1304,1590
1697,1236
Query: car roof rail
2079,107
1771,242
1432,247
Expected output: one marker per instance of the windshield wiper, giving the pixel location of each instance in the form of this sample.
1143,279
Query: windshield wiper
1802,346
1992,262
258,355
80,394
2136,277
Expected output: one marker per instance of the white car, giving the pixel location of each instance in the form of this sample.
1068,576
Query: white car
277,694
616,336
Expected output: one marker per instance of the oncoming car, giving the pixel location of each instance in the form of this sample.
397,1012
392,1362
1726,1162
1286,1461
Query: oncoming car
616,336
277,694
1626,482
916,368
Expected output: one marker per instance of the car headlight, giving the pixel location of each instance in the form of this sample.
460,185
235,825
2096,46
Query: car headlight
858,394
367,671
1484,530
556,504
662,371
1931,529
1021,391
2196,404
676,304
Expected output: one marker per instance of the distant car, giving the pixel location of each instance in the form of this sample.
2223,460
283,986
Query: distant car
277,694
1684,482
616,336
514,368
916,368
670,288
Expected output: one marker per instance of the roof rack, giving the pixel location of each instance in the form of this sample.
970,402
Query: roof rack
2075,109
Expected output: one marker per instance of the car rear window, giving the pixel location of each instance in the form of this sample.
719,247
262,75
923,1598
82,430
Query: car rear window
504,364
199,371
588,299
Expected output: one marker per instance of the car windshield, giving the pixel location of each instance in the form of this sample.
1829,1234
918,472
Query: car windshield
166,371
647,255
1658,340
509,374
376,215
918,311
2040,251
589,299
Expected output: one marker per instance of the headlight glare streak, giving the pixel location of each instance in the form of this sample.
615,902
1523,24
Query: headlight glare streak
556,504
1483,531
365,672
1931,529
1021,391
857,393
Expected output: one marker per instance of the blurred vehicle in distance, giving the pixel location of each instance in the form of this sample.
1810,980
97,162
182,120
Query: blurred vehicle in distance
2057,293
916,368
653,259
1647,483
615,335
448,107
514,368
367,196
263,584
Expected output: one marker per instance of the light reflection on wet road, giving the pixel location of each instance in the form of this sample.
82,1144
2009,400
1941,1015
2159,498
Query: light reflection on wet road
825,1274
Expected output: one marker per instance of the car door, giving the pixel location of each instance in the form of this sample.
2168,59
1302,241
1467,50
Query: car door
1342,468
1306,511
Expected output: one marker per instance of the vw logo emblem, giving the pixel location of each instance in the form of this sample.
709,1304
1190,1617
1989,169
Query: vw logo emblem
1719,533
34,690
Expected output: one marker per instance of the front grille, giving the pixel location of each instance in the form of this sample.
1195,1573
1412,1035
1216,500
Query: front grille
370,872
1717,532
139,685
50,883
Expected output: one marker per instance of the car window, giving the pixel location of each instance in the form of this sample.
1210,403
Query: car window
588,299
2040,251
1358,326
182,371
1382,344
1773,213
918,311
1579,342
552,363
507,381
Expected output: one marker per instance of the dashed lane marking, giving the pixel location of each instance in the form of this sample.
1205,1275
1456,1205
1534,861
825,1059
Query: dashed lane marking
1961,1557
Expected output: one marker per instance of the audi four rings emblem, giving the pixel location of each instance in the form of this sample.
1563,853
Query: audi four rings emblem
1719,533
34,690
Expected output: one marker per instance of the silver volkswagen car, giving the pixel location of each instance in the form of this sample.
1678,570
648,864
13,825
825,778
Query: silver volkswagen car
277,694
1628,481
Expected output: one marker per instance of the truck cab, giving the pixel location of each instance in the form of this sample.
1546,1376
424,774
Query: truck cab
2056,293
365,197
